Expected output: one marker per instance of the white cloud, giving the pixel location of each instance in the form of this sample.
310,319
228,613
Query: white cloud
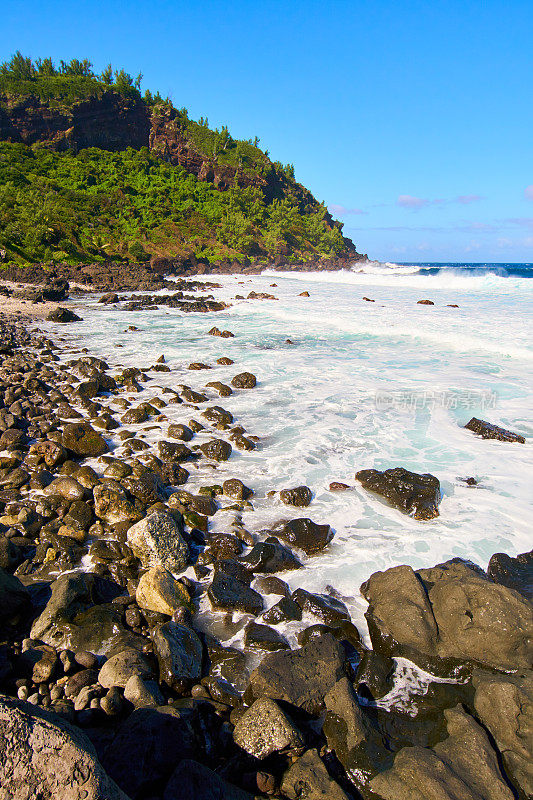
408,201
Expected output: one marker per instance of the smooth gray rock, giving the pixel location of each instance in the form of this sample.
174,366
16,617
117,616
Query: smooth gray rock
504,704
42,756
142,692
118,669
462,767
302,677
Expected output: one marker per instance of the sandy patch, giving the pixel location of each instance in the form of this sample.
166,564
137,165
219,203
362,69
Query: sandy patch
25,309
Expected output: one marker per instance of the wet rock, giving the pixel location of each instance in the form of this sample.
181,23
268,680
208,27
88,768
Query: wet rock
233,487
180,432
157,542
217,449
301,677
159,591
272,585
228,593
67,488
142,692
244,380
174,452
488,431
14,597
224,334
283,611
146,487
425,303
81,680
305,534
111,504
179,653
45,757
147,747
336,486
222,389
504,704
218,415
225,361
448,615
299,496
193,397
262,637
515,573
39,662
270,556
418,495
118,669
265,728
327,608
357,744
134,416
308,779
197,365
462,766
194,781
63,315
83,440
374,675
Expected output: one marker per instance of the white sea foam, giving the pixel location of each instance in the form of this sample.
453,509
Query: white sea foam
382,384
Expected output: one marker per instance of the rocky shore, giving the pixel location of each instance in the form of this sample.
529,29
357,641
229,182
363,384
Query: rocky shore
110,687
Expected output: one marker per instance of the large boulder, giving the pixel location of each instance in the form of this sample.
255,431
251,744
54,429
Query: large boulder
265,728
147,747
418,495
118,669
516,573
179,652
157,542
14,597
83,440
308,779
63,315
301,677
305,534
192,781
270,556
448,615
159,591
111,504
462,767
42,756
231,593
299,496
504,704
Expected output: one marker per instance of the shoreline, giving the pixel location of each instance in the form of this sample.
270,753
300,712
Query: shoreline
97,506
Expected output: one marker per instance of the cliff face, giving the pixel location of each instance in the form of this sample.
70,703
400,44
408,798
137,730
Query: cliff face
113,122
110,122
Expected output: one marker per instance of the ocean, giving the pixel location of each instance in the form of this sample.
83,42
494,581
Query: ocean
361,384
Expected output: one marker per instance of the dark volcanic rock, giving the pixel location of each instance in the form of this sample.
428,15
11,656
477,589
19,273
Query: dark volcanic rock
244,380
228,593
192,781
462,766
179,653
233,487
305,534
327,608
418,495
41,756
488,431
301,677
270,556
308,779
148,746
299,496
83,440
60,314
217,449
262,637
265,728
448,615
516,573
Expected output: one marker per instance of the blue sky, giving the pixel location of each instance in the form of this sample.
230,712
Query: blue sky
413,121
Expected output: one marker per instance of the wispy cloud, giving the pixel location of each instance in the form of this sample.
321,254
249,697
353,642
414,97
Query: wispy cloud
415,203
342,211
466,199
408,201
528,192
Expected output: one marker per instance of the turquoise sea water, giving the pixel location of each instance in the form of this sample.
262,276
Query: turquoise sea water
363,384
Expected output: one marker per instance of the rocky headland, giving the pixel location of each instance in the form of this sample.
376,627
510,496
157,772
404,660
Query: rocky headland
111,687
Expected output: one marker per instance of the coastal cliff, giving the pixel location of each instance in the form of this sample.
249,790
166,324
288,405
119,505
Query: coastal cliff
128,178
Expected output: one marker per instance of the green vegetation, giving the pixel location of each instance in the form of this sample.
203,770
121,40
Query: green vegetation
98,205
